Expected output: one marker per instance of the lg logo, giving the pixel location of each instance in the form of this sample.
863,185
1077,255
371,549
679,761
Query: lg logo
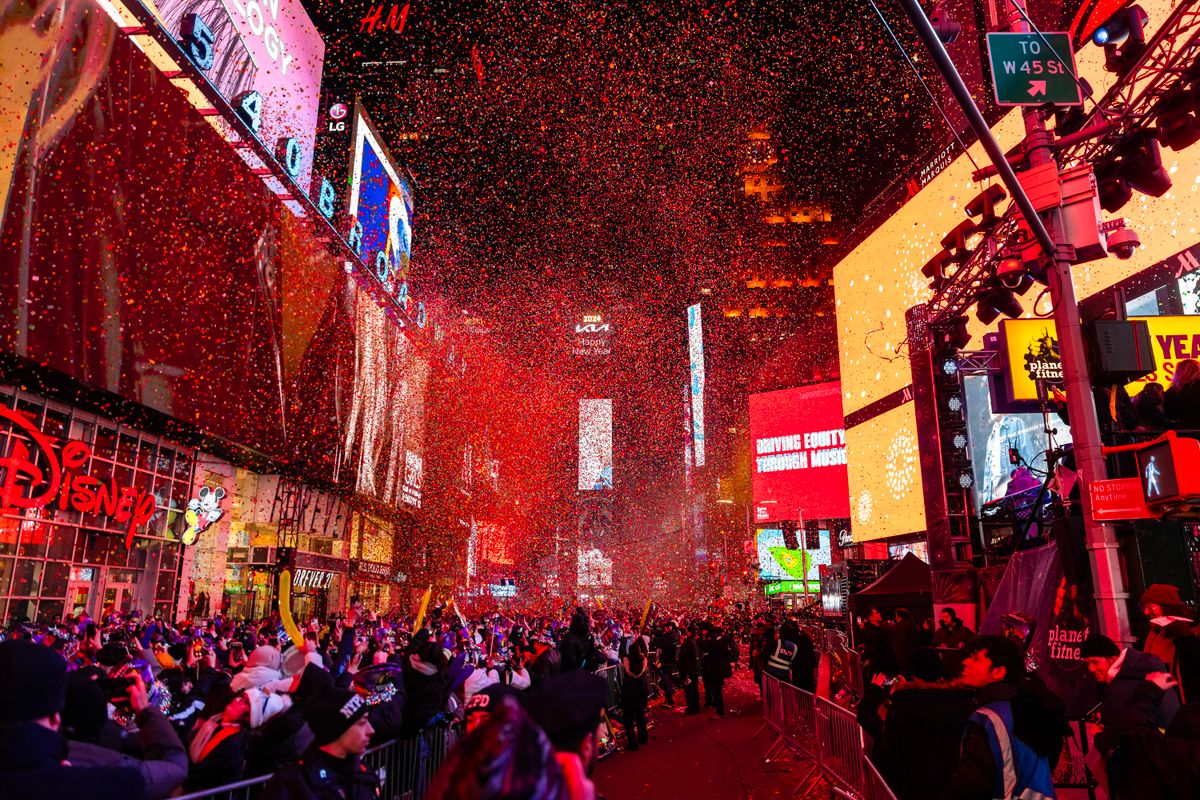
337,114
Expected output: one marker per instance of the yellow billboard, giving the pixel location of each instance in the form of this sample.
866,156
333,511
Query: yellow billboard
1174,339
1031,352
1030,355
886,496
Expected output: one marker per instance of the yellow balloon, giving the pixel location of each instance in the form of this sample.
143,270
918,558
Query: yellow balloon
285,608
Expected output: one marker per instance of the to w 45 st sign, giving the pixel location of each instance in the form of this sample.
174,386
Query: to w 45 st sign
1030,69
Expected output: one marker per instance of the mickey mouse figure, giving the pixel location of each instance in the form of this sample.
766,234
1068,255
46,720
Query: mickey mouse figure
202,512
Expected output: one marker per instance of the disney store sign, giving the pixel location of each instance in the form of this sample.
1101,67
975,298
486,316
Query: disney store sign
48,478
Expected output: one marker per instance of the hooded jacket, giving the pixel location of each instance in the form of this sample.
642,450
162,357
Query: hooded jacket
261,669
32,768
164,765
1029,716
577,648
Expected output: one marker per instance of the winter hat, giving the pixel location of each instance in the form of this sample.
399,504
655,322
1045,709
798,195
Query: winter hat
1097,645
925,664
264,656
313,680
1162,594
263,706
332,712
112,654
33,681
488,698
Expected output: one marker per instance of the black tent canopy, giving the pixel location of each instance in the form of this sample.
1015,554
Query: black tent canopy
909,584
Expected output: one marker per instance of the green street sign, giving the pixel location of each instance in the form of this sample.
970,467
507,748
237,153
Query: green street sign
1029,69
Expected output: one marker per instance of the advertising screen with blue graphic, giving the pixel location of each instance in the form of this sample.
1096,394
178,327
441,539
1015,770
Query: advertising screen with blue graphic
381,199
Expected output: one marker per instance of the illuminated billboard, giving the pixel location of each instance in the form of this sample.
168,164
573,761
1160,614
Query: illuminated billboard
881,279
271,48
381,200
883,467
779,562
798,454
595,569
994,437
595,445
1031,352
696,362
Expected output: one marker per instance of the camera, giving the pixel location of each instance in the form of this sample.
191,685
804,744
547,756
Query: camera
116,690
1122,242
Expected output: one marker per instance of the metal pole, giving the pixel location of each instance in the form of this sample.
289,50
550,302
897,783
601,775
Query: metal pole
1109,588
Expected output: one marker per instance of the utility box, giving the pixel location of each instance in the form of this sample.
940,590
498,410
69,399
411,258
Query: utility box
1081,213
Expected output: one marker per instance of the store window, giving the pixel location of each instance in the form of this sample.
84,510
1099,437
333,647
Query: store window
57,560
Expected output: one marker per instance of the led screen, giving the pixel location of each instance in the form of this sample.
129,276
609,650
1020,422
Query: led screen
270,47
381,200
881,279
886,492
778,562
595,568
798,460
992,436
696,361
595,445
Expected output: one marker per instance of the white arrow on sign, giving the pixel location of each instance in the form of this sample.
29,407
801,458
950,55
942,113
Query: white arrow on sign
1036,88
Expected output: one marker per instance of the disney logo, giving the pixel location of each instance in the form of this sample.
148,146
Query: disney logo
26,485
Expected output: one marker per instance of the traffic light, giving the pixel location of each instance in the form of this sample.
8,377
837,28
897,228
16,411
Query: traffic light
986,206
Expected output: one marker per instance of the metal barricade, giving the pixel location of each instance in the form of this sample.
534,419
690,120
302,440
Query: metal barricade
405,769
242,790
612,677
826,735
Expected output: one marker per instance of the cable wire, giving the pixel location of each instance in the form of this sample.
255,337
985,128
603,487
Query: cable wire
924,85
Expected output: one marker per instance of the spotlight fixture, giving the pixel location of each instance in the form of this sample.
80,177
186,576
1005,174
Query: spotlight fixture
935,269
956,240
1142,167
984,206
1123,38
1178,126
954,403
957,335
949,366
965,480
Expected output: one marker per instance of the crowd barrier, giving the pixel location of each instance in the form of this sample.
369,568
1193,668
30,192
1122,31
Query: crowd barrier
827,736
612,677
405,769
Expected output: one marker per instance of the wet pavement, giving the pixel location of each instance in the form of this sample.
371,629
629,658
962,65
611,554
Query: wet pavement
704,756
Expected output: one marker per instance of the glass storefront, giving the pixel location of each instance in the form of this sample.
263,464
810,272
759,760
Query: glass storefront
73,484
371,543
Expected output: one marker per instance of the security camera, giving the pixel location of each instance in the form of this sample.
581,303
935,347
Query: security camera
1122,242
1011,272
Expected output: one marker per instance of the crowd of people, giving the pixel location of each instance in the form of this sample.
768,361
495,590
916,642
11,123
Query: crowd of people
129,706
976,717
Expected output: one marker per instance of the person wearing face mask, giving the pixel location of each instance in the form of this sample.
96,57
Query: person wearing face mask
331,768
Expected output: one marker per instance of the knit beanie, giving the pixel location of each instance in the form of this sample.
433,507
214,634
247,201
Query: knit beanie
33,681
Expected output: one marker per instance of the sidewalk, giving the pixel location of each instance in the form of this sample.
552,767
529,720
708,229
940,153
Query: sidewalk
703,756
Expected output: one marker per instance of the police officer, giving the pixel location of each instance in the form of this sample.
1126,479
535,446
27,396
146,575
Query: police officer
781,658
